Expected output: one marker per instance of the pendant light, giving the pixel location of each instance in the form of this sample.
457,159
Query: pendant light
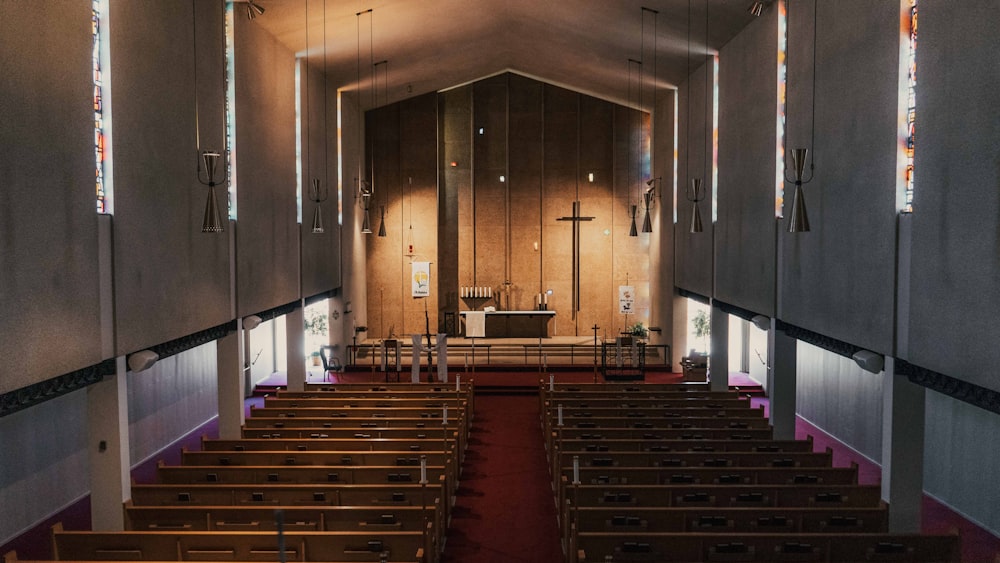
385,65
647,196
695,194
212,221
365,190
632,230
799,220
316,194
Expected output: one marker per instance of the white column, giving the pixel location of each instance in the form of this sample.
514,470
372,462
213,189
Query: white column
295,339
902,449
718,362
782,358
108,449
231,387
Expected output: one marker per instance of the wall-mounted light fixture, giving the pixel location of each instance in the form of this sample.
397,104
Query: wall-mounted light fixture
365,188
695,194
251,322
318,197
142,360
757,8
761,322
869,361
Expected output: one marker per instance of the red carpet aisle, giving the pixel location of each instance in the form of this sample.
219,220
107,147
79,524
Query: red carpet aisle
504,512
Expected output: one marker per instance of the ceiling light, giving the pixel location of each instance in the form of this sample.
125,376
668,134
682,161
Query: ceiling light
253,10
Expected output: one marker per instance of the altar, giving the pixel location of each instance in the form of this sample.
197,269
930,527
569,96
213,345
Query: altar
514,324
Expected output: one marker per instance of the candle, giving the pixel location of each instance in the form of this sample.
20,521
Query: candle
458,382
489,292
576,470
545,298
423,469
552,383
444,417
560,416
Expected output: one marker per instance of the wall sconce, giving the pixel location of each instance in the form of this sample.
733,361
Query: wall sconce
632,231
251,322
381,226
695,194
364,196
142,360
869,361
757,8
212,222
761,322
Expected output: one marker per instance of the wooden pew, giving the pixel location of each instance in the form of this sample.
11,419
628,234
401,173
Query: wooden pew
669,445
565,432
351,434
365,441
238,546
653,426
247,518
314,474
573,415
688,547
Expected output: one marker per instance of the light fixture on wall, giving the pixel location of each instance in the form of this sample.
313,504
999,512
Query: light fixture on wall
251,322
142,360
254,10
317,193
633,231
695,193
318,196
212,221
762,322
799,220
757,8
869,361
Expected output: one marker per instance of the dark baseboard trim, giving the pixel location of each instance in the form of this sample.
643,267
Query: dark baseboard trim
986,399
29,396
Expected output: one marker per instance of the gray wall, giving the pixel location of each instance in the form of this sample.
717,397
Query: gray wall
171,279
955,296
839,278
693,251
44,465
267,243
834,394
745,233
959,435
49,310
169,400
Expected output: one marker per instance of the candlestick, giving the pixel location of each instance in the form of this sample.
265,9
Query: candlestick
560,416
423,469
576,470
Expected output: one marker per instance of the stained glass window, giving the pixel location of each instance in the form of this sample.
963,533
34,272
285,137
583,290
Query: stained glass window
103,198
779,190
911,103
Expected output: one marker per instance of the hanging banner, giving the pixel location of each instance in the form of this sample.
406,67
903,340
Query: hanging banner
626,299
421,279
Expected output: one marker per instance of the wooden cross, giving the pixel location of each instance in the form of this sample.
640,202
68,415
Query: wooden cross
575,218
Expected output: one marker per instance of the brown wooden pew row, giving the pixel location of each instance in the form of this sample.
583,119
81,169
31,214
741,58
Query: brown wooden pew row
301,474
611,448
341,401
787,519
407,460
688,547
359,441
349,433
565,432
427,415
320,425
643,402
11,557
571,416
294,518
384,496
238,546
653,426
466,392
703,476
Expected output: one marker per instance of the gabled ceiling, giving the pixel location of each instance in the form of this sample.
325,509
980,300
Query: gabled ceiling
432,45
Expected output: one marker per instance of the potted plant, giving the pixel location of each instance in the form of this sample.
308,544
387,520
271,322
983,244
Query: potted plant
638,330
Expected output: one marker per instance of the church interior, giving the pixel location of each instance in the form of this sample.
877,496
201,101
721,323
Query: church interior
504,205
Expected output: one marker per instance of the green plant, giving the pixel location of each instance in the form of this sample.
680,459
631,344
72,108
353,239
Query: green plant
315,322
702,326
638,330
